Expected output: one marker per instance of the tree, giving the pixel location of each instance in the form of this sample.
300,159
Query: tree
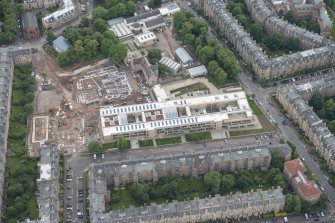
170,190
115,198
99,12
91,48
329,107
212,67
317,101
50,37
188,38
206,54
28,108
256,32
331,126
292,203
100,25
220,76
242,180
122,143
212,180
84,22
227,182
121,9
130,7
63,60
106,45
277,161
109,34
117,52
140,192
162,70
79,49
94,147
20,7
154,55
71,34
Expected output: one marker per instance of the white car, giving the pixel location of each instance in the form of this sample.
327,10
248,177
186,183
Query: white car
322,214
94,156
103,156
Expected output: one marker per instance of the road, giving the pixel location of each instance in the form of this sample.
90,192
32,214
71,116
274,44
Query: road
289,133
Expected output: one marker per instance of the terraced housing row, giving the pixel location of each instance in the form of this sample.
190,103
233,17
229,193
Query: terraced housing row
319,51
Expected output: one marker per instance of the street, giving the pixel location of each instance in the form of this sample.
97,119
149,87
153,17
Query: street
289,133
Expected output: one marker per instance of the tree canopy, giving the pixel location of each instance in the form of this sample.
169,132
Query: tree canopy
325,108
292,203
114,8
140,191
154,55
88,43
273,43
212,181
193,33
8,18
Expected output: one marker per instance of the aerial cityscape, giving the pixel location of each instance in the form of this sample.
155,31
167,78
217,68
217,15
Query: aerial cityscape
167,111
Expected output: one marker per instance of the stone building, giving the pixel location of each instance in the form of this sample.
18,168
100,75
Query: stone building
310,9
39,4
150,72
294,171
67,12
151,169
293,98
48,184
320,51
233,206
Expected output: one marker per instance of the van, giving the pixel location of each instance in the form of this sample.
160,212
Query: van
306,216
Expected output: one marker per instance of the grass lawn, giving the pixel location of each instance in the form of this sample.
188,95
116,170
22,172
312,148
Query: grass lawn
166,141
113,145
254,107
187,189
145,143
191,88
193,137
32,208
125,199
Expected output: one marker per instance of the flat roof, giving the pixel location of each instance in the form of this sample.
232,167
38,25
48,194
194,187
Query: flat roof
196,71
61,43
144,37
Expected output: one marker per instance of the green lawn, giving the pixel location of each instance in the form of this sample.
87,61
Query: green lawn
166,141
145,143
191,88
113,145
194,137
110,145
254,107
125,199
187,189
